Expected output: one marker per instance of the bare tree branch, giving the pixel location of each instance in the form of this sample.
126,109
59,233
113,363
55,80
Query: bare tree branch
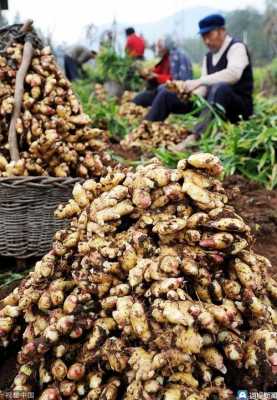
19,89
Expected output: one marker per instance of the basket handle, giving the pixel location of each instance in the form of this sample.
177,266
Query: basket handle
19,89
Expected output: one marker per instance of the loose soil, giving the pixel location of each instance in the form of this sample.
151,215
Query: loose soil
258,207
128,155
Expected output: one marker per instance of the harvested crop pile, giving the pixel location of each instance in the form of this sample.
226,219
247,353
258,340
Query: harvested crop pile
150,135
53,134
132,112
102,95
178,87
100,92
127,96
153,292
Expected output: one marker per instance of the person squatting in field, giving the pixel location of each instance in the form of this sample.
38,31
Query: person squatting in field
174,64
74,60
226,80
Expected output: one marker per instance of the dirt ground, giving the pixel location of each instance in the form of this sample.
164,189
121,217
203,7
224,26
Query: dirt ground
132,155
259,209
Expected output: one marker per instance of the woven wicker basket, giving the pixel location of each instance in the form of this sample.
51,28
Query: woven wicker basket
27,219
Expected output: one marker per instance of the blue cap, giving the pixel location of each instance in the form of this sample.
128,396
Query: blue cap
210,23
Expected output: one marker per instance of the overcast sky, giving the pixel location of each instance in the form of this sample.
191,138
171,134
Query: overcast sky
65,18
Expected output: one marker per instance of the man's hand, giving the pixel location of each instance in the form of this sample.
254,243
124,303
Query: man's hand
145,72
192,85
152,75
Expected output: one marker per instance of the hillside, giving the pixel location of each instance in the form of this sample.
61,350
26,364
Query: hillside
183,24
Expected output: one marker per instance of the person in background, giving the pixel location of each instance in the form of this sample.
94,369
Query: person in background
226,80
107,40
74,61
173,65
135,44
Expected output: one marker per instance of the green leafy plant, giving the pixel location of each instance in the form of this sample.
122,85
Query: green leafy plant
111,66
266,79
247,148
104,114
171,158
7,278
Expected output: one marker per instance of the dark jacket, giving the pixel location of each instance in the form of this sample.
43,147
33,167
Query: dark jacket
80,54
244,87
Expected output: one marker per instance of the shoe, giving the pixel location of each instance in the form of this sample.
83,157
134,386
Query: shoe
190,141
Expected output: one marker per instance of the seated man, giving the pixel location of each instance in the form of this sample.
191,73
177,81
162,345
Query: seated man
174,64
74,60
226,80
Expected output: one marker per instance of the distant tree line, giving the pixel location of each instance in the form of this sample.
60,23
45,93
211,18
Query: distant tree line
258,30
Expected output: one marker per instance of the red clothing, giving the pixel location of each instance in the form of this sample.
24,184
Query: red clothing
162,69
135,45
